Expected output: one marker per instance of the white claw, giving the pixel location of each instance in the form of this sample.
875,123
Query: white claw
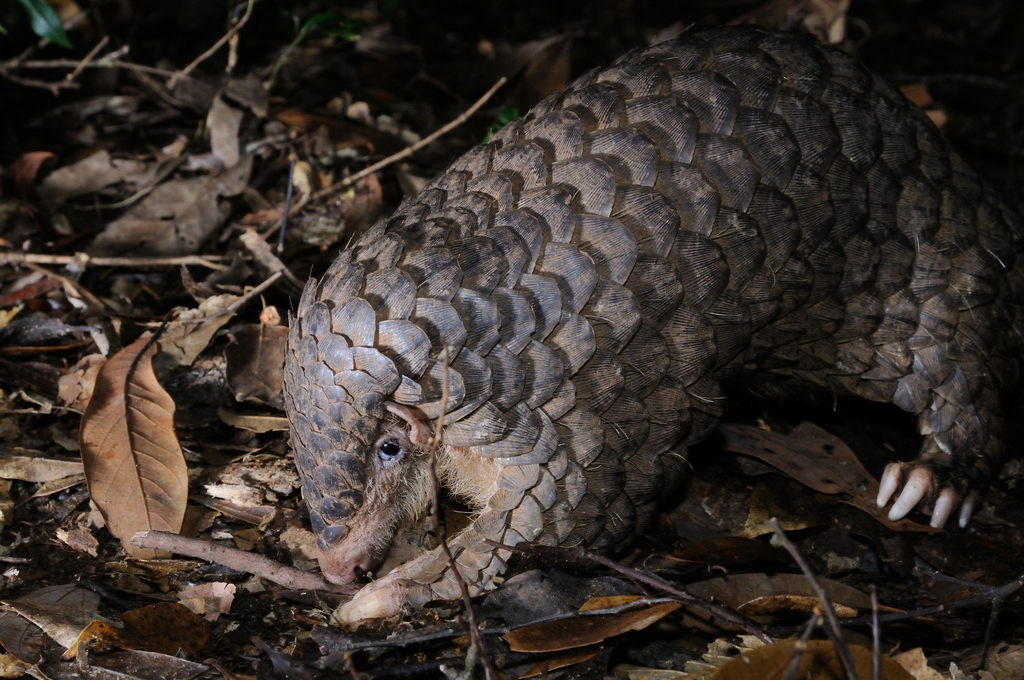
967,509
913,492
890,482
944,507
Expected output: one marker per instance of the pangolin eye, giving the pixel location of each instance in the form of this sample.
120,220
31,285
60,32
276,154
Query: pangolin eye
390,449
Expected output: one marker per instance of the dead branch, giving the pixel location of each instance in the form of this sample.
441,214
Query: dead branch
216,46
16,258
405,153
233,558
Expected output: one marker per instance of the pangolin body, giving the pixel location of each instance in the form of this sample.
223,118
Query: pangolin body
735,202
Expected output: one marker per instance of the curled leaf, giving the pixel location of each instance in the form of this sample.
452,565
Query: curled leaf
133,461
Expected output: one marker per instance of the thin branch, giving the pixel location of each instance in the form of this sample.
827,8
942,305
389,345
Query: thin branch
835,631
408,151
801,645
216,46
16,258
236,559
88,58
100,63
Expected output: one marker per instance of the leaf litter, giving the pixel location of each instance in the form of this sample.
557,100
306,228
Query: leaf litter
159,195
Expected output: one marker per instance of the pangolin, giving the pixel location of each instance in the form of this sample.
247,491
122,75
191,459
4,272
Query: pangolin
737,204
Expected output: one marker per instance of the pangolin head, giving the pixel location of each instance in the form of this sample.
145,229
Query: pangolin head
358,451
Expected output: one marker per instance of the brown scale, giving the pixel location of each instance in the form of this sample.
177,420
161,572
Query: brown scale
739,202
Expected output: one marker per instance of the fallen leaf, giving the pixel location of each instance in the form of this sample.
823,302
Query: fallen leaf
26,168
915,663
208,600
74,388
255,362
133,462
176,217
580,631
167,628
32,469
87,176
223,121
62,612
189,334
817,459
818,662
78,538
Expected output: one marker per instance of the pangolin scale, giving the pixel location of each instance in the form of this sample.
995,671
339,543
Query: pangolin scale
738,203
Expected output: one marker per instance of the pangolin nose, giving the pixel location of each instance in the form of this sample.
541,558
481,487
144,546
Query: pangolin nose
360,570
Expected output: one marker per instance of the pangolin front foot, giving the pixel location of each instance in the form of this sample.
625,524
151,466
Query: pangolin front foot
927,486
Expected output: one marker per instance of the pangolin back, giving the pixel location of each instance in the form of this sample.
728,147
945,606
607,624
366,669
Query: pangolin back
736,202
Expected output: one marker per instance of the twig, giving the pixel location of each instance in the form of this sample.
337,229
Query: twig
835,631
236,559
800,646
216,46
652,580
876,637
287,206
88,58
101,63
19,258
442,538
408,151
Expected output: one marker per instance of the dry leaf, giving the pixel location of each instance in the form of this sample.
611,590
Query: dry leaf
209,600
915,663
189,334
253,423
74,388
61,611
817,459
26,168
819,662
554,636
223,121
176,217
133,461
255,362
31,469
87,176
78,538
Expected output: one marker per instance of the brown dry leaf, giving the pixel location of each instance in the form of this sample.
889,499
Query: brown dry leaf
21,637
544,668
133,462
87,176
167,628
33,469
26,168
224,121
189,334
74,388
78,538
740,589
255,362
817,459
209,600
1005,662
915,663
344,134
12,667
176,217
819,662
63,612
554,636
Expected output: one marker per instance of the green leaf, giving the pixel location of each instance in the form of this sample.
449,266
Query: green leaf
506,115
45,22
